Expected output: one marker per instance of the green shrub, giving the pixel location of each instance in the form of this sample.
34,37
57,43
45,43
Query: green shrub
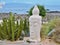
52,24
56,34
42,11
46,28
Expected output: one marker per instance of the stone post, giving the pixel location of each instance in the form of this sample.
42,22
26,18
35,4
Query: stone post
35,22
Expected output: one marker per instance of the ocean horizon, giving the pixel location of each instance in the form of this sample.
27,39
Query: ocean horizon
22,8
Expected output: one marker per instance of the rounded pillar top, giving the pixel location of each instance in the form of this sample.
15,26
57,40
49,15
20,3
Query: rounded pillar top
35,10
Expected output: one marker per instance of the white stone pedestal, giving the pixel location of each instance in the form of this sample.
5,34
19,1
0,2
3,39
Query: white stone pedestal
35,22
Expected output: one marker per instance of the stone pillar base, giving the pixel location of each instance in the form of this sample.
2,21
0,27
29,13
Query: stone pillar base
35,42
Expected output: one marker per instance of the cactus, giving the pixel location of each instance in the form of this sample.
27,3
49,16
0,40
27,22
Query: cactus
26,27
20,28
9,30
12,26
17,28
0,31
4,28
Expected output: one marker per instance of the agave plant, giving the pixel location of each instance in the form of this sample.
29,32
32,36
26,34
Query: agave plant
10,30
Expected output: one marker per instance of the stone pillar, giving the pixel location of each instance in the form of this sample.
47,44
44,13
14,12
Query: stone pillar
35,22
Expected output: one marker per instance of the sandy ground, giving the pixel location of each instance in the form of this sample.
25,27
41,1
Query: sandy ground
48,42
44,42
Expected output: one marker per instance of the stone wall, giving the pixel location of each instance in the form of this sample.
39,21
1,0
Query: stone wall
49,15
17,16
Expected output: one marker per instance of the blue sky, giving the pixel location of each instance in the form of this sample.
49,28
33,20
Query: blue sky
25,5
43,2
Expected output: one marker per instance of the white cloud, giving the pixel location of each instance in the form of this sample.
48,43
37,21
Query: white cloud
2,4
28,2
